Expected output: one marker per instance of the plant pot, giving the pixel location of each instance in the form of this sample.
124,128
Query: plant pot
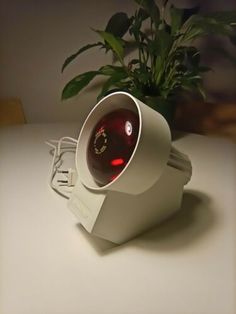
166,107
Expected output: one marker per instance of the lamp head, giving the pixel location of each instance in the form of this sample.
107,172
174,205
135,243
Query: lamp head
123,145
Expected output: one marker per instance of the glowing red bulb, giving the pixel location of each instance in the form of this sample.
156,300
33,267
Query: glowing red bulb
111,144
117,162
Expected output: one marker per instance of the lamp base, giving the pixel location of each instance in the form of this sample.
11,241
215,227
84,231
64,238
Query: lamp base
119,217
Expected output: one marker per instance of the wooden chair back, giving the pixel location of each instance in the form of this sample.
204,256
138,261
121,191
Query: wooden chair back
11,112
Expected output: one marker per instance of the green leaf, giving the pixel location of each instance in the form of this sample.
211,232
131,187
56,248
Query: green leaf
152,9
176,19
114,42
135,29
158,69
133,62
161,45
112,81
212,26
111,70
199,26
118,24
136,92
73,87
226,17
144,77
201,90
187,85
142,14
106,86
181,16
72,57
191,57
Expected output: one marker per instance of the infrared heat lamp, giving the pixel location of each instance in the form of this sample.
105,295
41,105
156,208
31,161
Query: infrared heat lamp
130,177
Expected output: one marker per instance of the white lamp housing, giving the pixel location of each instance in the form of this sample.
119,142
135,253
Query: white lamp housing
148,189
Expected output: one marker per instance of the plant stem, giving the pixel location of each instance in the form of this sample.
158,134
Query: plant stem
163,12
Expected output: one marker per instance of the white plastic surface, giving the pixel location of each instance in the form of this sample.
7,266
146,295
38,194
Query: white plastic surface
50,265
149,188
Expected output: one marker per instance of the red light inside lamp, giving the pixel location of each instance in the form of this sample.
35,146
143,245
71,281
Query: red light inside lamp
111,145
117,162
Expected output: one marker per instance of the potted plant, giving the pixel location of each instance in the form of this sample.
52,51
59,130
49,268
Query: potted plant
167,62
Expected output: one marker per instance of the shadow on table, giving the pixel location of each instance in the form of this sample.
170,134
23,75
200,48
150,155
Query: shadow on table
187,226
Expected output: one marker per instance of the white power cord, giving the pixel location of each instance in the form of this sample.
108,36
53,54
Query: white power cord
64,185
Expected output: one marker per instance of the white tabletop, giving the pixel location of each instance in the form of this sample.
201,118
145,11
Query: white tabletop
50,265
